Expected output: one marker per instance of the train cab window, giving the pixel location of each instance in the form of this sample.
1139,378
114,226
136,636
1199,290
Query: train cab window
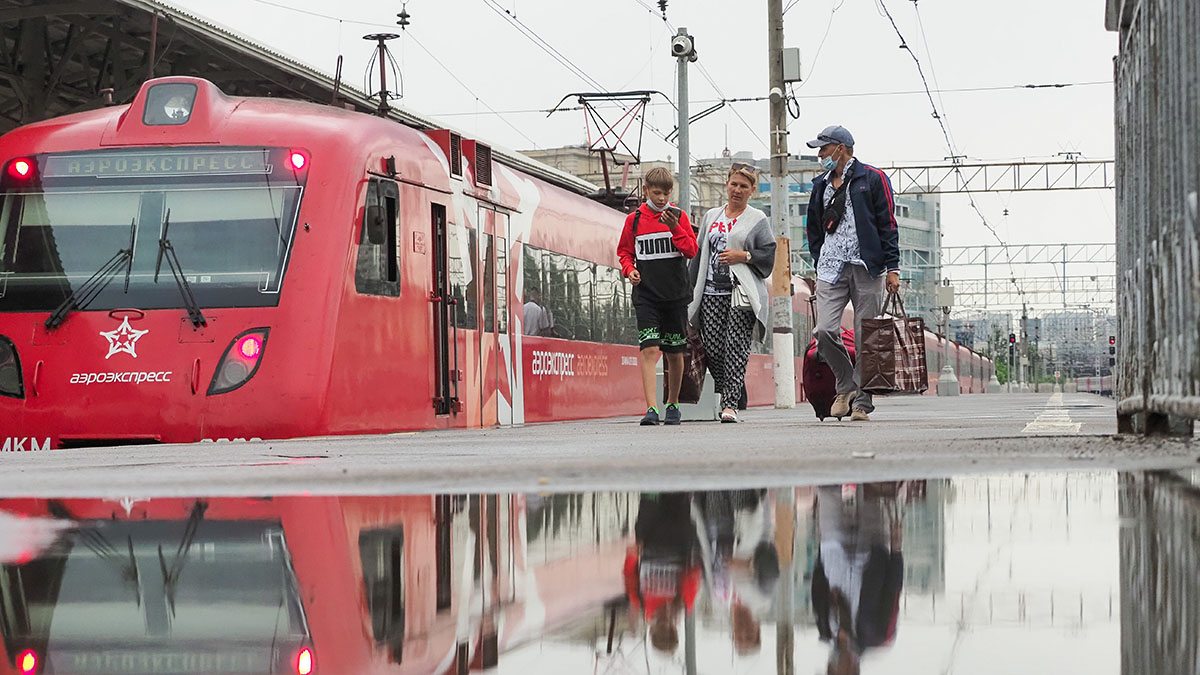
382,553
229,214
190,588
378,268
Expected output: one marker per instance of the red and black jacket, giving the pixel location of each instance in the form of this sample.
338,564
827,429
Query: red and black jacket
658,253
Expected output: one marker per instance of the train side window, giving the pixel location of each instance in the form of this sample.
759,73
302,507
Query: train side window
604,299
382,553
378,269
462,261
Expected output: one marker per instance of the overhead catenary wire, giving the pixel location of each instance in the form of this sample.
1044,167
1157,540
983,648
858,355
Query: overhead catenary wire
712,83
469,91
343,20
946,134
829,24
545,46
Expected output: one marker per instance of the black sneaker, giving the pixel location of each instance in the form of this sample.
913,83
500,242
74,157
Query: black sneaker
651,418
673,416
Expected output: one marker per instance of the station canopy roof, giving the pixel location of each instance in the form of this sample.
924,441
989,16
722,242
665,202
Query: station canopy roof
63,56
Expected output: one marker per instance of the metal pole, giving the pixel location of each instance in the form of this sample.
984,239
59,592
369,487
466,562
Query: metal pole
689,642
782,339
1064,275
985,277
785,546
685,169
947,379
153,46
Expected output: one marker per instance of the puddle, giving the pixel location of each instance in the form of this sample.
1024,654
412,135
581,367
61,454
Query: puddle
1064,573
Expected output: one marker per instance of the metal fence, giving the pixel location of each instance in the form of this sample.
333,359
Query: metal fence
1159,540
1157,77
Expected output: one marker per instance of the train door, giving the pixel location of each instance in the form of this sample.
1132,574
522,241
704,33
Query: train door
505,362
494,345
445,327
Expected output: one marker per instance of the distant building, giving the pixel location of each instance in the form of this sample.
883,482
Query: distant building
1075,341
626,177
977,328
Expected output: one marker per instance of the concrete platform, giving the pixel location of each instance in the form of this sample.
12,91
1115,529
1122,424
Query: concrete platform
907,437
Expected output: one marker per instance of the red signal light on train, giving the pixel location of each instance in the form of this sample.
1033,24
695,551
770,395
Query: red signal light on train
240,361
20,168
27,662
297,159
250,346
304,662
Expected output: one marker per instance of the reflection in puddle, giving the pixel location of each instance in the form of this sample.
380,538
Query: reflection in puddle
1031,573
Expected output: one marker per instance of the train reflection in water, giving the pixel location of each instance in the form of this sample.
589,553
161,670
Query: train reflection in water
1086,573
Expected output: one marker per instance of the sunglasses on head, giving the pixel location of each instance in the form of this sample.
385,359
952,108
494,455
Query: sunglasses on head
743,168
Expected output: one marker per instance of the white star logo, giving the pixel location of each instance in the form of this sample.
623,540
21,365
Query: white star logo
122,339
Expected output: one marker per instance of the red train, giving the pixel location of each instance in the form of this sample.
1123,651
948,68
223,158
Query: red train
194,266
421,584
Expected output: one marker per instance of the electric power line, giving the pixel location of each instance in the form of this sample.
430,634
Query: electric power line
832,10
320,15
545,46
464,86
707,76
443,66
946,133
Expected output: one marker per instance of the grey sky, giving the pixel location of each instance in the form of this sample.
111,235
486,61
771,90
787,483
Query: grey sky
621,44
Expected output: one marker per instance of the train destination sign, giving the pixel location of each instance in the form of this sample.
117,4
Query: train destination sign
151,164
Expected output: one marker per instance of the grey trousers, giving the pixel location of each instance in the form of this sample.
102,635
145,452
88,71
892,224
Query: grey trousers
865,292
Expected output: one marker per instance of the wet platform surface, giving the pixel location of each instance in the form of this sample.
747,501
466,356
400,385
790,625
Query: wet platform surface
907,437
1042,572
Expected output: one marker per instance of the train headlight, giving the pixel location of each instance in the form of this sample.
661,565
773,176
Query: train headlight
169,104
27,662
240,361
10,370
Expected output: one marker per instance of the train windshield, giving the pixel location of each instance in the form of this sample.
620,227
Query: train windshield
229,214
186,596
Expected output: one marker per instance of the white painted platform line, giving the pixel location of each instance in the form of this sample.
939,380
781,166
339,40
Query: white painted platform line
1055,420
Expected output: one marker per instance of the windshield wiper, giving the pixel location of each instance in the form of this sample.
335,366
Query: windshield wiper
87,291
185,289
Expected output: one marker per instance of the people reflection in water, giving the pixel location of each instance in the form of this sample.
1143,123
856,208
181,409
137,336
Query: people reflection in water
662,568
740,560
859,570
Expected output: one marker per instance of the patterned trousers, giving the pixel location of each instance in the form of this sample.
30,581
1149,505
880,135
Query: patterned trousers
726,335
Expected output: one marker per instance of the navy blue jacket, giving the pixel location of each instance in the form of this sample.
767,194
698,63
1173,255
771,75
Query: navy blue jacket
874,218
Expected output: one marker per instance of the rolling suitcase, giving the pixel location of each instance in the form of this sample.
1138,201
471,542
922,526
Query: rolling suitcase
820,386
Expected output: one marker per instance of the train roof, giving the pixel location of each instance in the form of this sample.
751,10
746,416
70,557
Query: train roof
238,65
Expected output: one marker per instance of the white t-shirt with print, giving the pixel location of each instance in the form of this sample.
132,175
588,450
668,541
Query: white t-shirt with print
719,280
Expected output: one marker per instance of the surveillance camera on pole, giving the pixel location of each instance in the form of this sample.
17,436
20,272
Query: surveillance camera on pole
683,46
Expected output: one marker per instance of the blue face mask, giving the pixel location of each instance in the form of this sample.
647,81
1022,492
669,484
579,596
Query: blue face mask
827,163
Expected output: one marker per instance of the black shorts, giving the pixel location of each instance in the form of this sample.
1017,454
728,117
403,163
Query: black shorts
661,325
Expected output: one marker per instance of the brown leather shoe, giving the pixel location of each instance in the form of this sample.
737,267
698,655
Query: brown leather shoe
859,415
841,405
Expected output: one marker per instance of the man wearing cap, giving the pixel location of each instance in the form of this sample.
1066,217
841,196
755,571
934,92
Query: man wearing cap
853,240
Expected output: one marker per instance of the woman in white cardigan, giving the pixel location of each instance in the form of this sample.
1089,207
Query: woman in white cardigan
730,301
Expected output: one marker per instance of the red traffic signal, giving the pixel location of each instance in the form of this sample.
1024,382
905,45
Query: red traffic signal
1112,339
1012,338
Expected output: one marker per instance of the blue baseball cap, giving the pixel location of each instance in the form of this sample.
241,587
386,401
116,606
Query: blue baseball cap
832,134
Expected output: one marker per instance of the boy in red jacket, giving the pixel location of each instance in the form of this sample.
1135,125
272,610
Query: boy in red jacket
654,245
